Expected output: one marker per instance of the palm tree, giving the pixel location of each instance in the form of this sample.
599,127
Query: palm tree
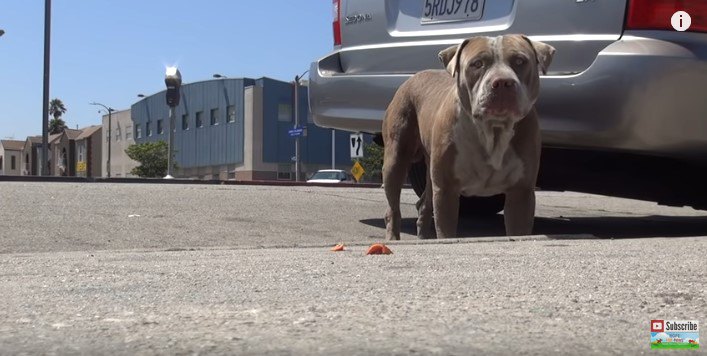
56,109
56,126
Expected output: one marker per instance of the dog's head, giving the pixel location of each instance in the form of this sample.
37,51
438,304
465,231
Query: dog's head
498,78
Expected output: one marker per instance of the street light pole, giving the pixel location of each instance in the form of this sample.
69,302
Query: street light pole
110,132
296,107
45,94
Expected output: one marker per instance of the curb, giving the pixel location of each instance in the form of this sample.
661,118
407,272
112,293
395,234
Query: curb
414,242
52,179
327,246
411,242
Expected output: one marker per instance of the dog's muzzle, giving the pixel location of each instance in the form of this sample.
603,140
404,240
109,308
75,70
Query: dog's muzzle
503,99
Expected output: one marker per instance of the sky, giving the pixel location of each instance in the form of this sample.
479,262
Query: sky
109,51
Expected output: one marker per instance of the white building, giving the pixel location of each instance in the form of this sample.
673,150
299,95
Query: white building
118,140
11,157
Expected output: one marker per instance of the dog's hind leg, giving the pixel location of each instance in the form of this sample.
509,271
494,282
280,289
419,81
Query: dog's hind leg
401,138
395,168
424,211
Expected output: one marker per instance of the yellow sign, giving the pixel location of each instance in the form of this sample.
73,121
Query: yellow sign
81,166
357,171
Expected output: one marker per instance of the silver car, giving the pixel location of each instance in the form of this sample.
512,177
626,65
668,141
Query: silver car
623,108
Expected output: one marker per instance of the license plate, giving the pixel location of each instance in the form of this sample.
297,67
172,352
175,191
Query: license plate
436,11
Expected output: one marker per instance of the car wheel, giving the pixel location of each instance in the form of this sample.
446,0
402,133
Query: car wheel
468,206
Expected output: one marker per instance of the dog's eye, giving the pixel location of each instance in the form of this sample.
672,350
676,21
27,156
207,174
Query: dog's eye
519,61
478,63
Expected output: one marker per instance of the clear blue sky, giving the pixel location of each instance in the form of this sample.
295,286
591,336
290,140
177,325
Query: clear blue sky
109,51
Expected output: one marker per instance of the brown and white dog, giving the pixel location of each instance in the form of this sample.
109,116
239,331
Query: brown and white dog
475,126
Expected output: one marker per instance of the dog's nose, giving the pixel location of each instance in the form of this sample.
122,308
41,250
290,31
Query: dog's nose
503,83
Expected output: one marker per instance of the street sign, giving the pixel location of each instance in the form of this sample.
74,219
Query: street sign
357,171
356,145
297,131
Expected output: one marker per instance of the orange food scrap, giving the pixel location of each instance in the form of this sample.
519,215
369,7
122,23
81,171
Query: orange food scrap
339,247
379,249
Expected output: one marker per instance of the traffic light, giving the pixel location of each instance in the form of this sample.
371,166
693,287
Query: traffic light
173,80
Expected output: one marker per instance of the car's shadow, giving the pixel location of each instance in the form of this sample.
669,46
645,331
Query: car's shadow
604,227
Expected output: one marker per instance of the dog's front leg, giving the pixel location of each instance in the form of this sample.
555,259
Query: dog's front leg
446,211
519,211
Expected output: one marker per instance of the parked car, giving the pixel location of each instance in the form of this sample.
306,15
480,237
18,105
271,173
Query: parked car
330,176
623,108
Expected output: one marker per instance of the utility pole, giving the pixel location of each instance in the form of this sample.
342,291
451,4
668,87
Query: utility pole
45,105
110,132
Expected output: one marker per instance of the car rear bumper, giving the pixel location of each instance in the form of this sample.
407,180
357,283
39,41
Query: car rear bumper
354,103
645,93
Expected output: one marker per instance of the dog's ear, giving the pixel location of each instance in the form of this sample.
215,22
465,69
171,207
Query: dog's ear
446,55
543,53
450,57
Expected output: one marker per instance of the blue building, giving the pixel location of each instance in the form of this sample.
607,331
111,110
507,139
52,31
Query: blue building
238,129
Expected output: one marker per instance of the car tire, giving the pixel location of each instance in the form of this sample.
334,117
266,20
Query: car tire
468,206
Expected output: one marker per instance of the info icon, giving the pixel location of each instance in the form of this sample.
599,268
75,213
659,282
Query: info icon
681,21
657,326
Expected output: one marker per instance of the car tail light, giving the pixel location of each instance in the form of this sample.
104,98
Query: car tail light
337,22
656,14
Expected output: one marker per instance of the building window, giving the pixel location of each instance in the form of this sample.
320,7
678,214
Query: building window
160,129
138,131
199,119
148,128
117,134
82,148
284,171
284,112
128,132
231,112
214,117
13,163
185,122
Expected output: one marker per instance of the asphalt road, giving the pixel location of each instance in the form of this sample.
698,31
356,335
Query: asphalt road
46,217
153,269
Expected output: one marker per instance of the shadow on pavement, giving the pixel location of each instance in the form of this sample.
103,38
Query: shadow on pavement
604,227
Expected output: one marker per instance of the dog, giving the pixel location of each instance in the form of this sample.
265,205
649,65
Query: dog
475,126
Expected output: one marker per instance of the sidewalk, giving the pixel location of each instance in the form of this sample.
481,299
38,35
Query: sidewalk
530,297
